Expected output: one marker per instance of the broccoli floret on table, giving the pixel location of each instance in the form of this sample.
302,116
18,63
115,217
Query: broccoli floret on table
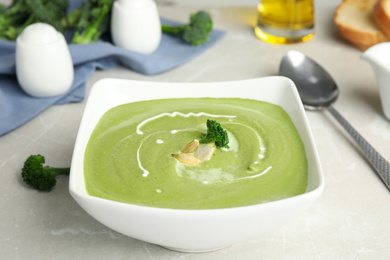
21,13
41,177
91,20
196,32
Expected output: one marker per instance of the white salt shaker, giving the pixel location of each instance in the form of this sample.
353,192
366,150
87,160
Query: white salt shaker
44,66
135,25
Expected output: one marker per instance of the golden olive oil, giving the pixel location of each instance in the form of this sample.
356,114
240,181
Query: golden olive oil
285,21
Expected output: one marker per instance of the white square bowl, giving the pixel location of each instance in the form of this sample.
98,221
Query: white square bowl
194,230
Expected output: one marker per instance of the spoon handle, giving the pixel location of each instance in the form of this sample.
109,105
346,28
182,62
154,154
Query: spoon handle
378,162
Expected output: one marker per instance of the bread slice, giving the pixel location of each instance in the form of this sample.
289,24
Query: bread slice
382,15
356,23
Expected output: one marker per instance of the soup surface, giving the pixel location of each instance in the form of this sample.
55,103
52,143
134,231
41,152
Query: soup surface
129,155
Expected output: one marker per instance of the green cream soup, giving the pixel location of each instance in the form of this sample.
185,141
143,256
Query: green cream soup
129,155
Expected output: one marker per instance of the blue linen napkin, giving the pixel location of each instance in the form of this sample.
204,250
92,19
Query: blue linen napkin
17,108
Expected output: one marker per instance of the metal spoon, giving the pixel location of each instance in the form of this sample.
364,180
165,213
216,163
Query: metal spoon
318,90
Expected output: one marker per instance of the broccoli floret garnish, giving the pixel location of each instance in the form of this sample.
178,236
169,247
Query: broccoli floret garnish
41,177
196,32
215,133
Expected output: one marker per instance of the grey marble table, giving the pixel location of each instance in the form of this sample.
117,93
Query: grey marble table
349,221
